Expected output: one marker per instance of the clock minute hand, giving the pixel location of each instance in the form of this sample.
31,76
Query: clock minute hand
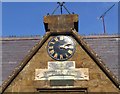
67,44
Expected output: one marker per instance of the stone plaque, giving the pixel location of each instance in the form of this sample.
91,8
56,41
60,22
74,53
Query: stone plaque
62,71
61,65
67,82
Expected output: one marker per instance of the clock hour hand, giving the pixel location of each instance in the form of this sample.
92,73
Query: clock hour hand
65,46
62,47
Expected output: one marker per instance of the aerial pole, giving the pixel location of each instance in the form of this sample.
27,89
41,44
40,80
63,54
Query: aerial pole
102,17
103,25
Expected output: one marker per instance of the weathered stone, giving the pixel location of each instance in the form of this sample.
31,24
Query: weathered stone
39,60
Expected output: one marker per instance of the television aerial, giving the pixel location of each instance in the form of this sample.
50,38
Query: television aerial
102,17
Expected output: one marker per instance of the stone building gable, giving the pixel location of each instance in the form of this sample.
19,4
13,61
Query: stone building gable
15,49
99,77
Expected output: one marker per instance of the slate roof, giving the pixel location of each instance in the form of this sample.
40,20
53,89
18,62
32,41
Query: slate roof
107,49
15,49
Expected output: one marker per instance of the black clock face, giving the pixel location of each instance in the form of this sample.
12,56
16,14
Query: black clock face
61,47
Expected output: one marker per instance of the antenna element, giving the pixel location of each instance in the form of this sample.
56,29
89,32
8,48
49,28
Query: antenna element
103,15
61,5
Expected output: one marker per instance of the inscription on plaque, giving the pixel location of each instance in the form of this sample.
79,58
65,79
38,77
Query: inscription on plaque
62,71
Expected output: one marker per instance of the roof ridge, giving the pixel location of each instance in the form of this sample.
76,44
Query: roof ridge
19,38
38,37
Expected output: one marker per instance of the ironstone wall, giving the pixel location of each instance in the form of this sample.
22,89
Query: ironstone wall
15,49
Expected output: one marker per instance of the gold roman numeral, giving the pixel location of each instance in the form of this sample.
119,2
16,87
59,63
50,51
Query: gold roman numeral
61,56
52,51
50,47
52,42
69,51
55,56
56,39
66,55
61,37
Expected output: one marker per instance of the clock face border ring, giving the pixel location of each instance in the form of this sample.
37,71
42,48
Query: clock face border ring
67,39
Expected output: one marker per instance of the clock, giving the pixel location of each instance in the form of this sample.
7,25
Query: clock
61,47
